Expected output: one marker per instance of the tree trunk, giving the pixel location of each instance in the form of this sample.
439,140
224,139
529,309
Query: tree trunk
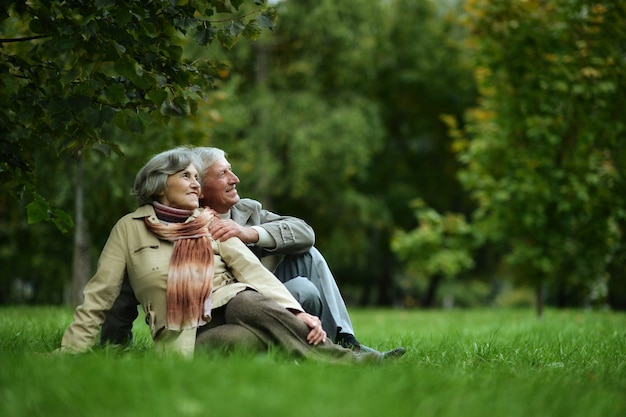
428,301
80,265
539,299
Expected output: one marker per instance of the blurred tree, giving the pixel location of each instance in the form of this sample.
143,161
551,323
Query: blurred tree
545,145
337,121
441,248
424,74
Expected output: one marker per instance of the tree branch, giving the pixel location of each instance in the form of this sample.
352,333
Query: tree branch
24,39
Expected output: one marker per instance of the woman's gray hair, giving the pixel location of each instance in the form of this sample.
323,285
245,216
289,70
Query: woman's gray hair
209,156
152,178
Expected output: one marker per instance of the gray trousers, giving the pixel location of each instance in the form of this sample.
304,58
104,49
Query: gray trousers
307,277
313,266
253,321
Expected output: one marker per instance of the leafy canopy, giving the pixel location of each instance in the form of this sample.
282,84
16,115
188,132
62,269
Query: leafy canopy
71,69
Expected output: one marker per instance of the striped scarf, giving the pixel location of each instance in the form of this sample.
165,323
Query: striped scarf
190,277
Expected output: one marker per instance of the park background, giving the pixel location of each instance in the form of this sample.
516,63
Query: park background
447,153
461,162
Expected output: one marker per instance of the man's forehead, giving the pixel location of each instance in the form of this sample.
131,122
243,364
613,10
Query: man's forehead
219,165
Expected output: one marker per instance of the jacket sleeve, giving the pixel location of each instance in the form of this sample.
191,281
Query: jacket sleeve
291,234
247,269
99,294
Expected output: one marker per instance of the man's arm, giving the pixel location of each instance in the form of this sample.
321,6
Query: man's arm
273,233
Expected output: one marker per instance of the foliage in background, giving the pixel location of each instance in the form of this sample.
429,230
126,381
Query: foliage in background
346,112
71,69
440,248
544,151
335,118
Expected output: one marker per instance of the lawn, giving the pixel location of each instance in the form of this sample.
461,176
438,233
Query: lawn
459,363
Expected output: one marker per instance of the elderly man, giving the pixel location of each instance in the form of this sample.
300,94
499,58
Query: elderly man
303,269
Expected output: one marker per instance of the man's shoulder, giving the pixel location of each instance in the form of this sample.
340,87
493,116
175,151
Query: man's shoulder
247,204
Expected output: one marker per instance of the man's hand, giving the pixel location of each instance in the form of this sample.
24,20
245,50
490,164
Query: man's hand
224,229
317,335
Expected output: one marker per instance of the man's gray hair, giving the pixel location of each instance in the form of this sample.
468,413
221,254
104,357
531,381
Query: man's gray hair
209,156
152,178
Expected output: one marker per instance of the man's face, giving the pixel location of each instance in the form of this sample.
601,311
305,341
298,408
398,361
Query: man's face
219,187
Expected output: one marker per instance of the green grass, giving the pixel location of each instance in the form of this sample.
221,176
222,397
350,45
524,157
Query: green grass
459,363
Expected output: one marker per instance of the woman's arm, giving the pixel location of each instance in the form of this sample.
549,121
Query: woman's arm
99,294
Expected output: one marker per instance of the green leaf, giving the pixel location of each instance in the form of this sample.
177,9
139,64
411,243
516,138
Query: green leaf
222,7
168,108
37,211
186,23
226,37
235,28
267,20
135,123
205,35
62,220
253,30
78,103
116,94
157,96
175,52
36,26
122,15
126,67
236,3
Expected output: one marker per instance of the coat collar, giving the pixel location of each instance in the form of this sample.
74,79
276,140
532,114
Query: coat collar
240,215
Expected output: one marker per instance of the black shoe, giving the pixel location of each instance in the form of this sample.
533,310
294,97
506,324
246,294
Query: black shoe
348,340
394,353
390,354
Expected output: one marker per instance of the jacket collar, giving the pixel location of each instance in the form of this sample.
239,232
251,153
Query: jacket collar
240,215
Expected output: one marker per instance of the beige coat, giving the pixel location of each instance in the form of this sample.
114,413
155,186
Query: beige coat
134,251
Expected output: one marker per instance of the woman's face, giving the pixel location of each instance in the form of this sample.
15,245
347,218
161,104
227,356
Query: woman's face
182,189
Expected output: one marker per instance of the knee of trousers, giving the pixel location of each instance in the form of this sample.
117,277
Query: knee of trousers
307,294
249,306
229,336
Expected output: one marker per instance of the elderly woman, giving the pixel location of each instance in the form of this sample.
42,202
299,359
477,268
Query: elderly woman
195,291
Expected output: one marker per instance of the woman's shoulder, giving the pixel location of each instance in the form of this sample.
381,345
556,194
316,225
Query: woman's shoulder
136,217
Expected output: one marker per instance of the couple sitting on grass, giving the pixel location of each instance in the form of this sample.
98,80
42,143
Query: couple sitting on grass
185,256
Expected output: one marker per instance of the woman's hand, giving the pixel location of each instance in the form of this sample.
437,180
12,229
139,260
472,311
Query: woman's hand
317,335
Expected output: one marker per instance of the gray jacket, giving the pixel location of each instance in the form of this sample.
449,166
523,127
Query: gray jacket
292,235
